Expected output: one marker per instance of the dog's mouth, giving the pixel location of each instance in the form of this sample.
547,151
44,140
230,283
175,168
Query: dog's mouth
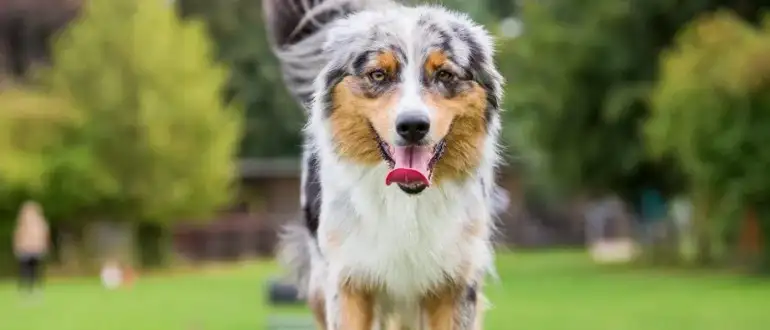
411,167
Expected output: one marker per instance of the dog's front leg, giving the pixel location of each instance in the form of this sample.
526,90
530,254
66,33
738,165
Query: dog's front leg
349,308
454,308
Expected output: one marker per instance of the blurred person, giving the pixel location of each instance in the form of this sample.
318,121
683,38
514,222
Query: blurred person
30,245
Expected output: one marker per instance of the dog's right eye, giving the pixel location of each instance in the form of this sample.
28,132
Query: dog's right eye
377,76
444,76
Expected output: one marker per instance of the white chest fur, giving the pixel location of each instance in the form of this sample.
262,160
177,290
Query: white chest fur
405,244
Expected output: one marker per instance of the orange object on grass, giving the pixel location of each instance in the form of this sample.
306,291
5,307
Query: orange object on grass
129,275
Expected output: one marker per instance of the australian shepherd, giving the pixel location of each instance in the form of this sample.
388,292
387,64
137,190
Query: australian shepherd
398,183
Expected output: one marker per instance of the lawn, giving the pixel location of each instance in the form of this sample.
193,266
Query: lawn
538,291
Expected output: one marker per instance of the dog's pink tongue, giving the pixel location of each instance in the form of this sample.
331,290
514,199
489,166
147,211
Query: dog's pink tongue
411,165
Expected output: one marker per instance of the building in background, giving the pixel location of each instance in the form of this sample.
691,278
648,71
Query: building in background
26,27
268,196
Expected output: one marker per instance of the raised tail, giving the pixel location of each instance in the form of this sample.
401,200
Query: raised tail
297,30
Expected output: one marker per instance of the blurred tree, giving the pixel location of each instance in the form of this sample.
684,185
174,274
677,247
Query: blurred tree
157,142
503,8
273,118
42,155
578,79
579,82
31,125
711,109
483,11
479,10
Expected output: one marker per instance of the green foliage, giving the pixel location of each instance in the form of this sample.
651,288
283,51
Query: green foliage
156,142
712,106
711,110
479,10
502,8
580,76
40,156
482,11
273,118
31,125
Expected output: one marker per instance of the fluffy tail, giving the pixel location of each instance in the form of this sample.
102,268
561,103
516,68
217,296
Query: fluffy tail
295,252
297,30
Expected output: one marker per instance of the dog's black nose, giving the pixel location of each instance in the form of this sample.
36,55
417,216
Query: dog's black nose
412,126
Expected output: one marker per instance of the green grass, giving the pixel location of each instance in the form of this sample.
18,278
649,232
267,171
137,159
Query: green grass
539,291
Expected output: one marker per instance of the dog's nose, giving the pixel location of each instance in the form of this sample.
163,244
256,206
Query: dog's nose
412,126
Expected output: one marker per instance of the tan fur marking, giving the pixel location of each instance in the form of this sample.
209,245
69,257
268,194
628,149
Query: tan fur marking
478,323
350,120
387,61
356,309
439,308
460,121
435,61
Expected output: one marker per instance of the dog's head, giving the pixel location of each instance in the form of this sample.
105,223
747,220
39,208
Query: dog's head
415,88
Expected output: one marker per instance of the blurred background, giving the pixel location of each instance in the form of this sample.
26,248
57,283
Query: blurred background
149,151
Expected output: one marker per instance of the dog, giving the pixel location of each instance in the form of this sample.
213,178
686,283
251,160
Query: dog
402,146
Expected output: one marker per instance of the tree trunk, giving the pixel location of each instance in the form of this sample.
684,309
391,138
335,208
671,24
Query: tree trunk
749,245
704,254
154,244
763,222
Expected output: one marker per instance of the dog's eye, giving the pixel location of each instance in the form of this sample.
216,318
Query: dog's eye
377,75
444,76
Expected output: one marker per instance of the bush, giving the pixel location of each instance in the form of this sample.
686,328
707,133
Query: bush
162,139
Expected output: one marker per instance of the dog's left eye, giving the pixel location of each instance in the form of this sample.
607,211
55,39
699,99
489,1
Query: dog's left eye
377,75
444,76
